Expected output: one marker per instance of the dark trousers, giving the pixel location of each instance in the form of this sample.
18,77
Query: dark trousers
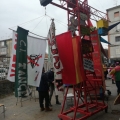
118,86
105,74
44,95
51,91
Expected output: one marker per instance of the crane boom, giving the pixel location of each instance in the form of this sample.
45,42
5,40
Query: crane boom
79,6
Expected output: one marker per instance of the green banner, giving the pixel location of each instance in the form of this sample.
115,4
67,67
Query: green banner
21,63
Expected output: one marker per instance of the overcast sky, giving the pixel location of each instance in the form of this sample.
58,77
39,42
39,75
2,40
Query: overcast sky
15,12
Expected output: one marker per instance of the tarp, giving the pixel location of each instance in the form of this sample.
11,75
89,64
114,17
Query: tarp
112,26
104,41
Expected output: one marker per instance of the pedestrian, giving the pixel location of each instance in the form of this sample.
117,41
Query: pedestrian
51,80
116,72
112,76
105,71
43,91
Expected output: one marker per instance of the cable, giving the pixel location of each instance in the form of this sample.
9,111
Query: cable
64,24
99,5
46,24
32,33
28,21
38,23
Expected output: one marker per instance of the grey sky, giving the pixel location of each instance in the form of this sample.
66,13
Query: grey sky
15,12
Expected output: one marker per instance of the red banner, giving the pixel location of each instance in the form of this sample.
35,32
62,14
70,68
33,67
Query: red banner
69,53
97,59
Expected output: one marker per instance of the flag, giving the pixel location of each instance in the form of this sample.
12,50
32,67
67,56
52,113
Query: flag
69,52
36,54
11,72
21,63
35,59
103,40
54,51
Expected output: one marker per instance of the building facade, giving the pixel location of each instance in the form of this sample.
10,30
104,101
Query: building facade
114,34
5,51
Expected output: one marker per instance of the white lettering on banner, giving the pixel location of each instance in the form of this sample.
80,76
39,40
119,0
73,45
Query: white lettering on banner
19,89
21,74
21,80
88,64
22,43
22,65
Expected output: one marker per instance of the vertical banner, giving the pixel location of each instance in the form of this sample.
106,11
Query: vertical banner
70,58
54,51
97,59
11,72
21,63
36,54
35,59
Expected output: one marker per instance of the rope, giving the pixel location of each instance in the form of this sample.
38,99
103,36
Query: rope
64,24
28,21
45,38
38,24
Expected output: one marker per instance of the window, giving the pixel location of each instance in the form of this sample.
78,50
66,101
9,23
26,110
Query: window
3,51
2,44
117,39
116,14
117,51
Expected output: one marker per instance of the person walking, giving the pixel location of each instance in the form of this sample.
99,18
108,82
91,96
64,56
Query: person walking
105,71
51,80
111,76
43,91
116,72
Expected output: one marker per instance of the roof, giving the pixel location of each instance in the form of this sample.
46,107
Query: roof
113,8
6,40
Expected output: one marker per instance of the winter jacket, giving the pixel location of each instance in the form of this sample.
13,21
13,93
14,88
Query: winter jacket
43,83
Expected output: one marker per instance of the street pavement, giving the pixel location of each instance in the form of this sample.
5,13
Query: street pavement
30,109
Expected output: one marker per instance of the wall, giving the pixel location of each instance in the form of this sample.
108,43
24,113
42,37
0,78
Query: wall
9,47
6,88
113,51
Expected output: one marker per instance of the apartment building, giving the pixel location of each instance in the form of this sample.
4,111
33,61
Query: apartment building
114,34
5,51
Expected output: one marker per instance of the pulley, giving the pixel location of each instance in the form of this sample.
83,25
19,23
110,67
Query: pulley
45,2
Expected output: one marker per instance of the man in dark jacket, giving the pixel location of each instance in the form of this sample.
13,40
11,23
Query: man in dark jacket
43,90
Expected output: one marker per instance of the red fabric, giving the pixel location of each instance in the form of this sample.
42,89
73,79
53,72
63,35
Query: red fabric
65,49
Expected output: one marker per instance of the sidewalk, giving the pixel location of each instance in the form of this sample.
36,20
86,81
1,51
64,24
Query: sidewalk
31,109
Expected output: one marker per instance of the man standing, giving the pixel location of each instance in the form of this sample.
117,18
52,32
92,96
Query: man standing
43,90
51,80
116,72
